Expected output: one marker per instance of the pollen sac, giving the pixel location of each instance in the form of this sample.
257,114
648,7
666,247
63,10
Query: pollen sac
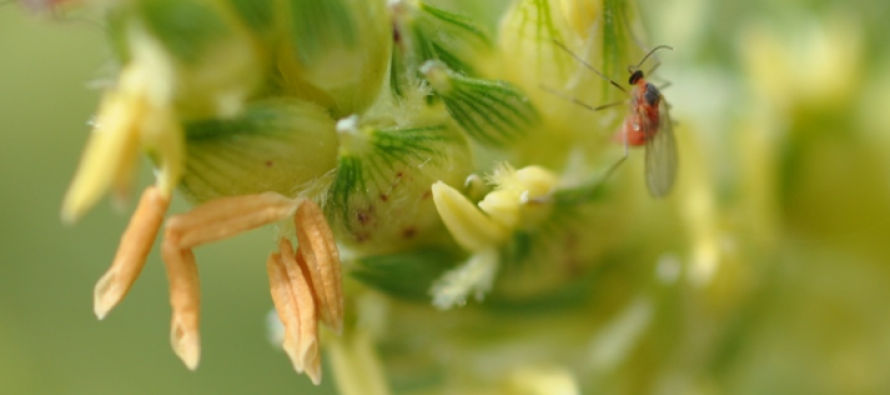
472,229
503,207
493,113
514,204
279,145
536,182
209,63
334,52
422,32
380,200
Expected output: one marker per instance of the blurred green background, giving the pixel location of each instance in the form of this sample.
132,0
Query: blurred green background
811,78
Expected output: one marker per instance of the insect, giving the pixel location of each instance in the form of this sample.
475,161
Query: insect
647,123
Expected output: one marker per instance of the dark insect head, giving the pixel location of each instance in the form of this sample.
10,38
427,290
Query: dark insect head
635,73
635,76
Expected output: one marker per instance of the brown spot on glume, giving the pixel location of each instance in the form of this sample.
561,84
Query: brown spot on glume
384,197
409,232
269,163
366,215
360,237
426,195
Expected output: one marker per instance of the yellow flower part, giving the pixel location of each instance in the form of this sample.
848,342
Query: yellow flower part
543,380
482,229
581,15
475,276
359,370
473,230
134,116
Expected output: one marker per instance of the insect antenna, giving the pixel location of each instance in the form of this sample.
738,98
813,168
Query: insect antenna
569,51
637,67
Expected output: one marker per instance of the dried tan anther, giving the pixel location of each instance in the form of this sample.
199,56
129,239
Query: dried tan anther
209,222
304,285
295,304
322,260
134,248
185,298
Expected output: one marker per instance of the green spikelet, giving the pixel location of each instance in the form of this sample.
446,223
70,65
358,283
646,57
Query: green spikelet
280,145
380,199
423,32
492,112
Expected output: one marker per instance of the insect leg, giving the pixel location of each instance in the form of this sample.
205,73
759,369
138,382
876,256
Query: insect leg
579,102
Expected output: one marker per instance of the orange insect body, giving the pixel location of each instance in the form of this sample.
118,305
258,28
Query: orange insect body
643,121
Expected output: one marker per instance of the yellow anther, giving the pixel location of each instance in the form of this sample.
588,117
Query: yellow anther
537,182
472,229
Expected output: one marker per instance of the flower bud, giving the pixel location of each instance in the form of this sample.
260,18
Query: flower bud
214,62
278,145
335,52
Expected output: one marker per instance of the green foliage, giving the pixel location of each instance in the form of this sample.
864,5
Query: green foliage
185,28
405,275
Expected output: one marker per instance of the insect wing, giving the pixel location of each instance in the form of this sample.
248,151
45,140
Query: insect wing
661,155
